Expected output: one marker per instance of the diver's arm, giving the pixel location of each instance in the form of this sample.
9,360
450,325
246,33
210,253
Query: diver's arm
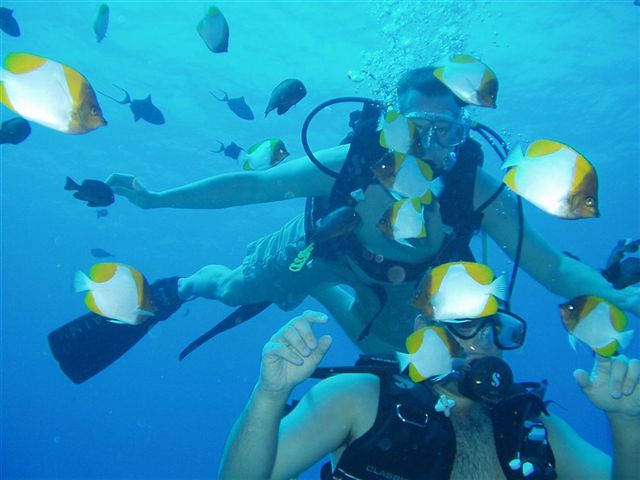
557,272
575,457
262,444
295,178
613,386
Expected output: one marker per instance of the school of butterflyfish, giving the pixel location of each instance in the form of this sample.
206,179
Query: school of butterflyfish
551,175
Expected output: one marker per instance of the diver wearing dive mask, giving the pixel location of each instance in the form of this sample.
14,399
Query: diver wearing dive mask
486,378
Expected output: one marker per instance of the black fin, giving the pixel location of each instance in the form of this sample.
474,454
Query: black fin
238,316
90,343
71,184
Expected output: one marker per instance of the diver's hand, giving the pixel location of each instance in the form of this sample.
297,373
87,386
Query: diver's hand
292,354
613,385
130,187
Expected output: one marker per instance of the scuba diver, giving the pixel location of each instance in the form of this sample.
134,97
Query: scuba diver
472,421
366,245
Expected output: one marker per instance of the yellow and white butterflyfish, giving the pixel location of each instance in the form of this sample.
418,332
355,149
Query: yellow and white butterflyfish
404,220
49,93
456,291
263,155
406,176
398,133
116,291
596,322
430,354
555,178
469,79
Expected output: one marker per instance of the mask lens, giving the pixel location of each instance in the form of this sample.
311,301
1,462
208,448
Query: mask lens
509,331
467,329
445,133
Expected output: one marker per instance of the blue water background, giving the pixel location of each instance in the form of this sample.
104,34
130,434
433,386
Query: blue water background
568,71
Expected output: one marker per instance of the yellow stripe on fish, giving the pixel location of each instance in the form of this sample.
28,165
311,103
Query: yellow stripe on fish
404,220
596,322
555,178
49,93
469,79
459,290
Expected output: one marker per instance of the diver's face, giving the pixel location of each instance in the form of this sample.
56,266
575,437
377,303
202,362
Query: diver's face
414,101
482,344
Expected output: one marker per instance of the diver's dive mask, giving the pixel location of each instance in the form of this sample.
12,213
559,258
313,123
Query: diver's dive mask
439,129
509,330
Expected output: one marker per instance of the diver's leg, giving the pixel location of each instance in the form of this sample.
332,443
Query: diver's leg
219,282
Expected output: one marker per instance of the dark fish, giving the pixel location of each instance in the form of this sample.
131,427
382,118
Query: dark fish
142,109
14,131
102,213
622,272
94,192
8,24
101,23
286,95
236,105
232,150
100,253
338,223
214,30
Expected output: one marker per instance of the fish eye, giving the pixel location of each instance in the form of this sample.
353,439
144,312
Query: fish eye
589,202
94,110
570,307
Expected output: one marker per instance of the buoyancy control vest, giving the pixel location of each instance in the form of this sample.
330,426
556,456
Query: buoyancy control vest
410,439
456,202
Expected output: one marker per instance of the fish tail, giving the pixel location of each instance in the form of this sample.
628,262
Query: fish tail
515,157
81,282
404,359
70,184
437,186
127,98
572,341
223,99
499,287
624,339
221,149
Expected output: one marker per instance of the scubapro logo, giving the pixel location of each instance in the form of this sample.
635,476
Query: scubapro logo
384,474
496,379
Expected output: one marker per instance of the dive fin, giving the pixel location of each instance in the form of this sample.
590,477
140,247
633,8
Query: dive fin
90,343
238,316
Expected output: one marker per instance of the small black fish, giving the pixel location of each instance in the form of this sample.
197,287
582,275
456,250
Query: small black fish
14,131
100,253
142,109
232,150
286,95
101,23
338,223
622,272
94,192
236,105
102,213
8,24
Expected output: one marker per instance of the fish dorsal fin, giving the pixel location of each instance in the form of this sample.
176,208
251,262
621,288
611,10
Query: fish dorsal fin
479,272
147,99
102,272
543,147
415,340
23,62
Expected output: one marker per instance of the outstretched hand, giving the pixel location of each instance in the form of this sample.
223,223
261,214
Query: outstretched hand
613,384
130,187
293,353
